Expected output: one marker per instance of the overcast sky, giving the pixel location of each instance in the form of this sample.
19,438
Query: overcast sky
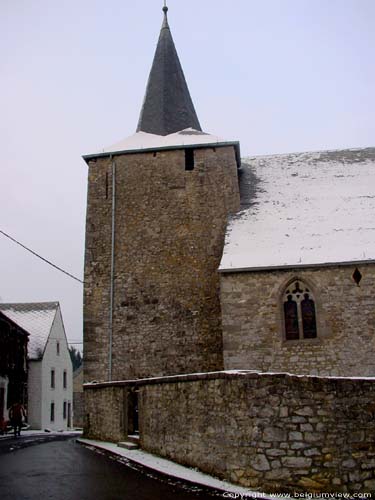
278,75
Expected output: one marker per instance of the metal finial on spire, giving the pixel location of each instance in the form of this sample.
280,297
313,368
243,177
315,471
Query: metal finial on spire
165,8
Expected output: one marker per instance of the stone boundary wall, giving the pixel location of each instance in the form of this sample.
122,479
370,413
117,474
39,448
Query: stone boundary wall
105,413
275,432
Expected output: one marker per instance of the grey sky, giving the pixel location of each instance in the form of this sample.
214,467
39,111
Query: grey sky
279,75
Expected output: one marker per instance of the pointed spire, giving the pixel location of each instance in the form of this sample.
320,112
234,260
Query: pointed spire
167,107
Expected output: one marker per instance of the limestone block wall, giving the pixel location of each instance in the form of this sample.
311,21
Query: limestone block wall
253,330
105,413
169,235
279,433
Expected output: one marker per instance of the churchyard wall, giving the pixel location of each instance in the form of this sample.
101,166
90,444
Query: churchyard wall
272,432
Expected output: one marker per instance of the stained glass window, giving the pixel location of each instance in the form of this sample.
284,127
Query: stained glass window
299,312
308,317
291,319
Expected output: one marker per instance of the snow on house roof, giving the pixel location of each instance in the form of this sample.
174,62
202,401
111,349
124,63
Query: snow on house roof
37,319
303,209
145,141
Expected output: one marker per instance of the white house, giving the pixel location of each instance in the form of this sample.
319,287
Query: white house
50,379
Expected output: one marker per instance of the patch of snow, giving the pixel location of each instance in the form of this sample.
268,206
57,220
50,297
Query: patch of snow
177,471
190,377
308,208
39,432
166,378
144,140
37,319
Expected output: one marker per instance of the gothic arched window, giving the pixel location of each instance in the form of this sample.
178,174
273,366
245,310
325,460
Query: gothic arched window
299,312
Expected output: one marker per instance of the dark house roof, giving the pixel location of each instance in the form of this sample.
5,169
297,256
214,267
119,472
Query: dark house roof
36,319
167,107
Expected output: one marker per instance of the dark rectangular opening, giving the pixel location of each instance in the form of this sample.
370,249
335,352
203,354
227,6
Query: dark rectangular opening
189,159
133,420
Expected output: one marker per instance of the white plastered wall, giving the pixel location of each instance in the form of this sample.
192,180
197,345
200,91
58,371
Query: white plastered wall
59,362
34,394
4,385
40,392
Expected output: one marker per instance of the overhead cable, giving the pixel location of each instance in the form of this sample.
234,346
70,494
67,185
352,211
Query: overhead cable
40,257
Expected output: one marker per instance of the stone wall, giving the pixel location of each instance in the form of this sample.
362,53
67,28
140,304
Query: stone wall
105,413
169,235
252,317
278,432
78,399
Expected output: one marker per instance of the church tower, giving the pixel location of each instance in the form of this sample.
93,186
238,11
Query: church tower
157,210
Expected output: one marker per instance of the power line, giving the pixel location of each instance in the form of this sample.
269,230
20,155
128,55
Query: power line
40,257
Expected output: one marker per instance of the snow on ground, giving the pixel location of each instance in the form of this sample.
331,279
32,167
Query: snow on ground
304,209
178,471
36,433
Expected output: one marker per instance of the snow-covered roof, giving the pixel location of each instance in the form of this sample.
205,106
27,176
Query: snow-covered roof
37,319
304,209
144,141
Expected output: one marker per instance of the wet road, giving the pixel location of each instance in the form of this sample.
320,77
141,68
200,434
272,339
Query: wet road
66,470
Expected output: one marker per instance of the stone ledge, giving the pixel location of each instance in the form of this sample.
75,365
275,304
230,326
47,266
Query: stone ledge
229,374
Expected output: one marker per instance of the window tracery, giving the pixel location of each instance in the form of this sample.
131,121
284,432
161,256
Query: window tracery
299,312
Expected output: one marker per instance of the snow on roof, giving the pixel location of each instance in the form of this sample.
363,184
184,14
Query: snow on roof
304,209
144,140
36,318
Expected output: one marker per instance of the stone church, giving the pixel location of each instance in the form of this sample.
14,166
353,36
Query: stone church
208,271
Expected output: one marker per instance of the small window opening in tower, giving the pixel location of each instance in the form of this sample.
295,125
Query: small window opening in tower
357,276
106,186
189,159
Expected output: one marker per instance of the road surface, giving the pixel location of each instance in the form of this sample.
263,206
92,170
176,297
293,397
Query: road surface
58,468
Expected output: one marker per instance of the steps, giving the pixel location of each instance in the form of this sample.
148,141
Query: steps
132,442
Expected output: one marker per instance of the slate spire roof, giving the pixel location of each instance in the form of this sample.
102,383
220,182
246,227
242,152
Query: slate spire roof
167,107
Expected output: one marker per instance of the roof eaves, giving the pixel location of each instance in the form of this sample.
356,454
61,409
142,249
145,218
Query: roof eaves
57,308
233,270
236,144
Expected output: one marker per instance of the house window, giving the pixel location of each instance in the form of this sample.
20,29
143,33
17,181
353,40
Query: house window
64,410
58,348
299,312
64,379
52,379
52,415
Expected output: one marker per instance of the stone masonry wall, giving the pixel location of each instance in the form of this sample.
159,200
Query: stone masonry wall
253,326
276,433
106,414
170,226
